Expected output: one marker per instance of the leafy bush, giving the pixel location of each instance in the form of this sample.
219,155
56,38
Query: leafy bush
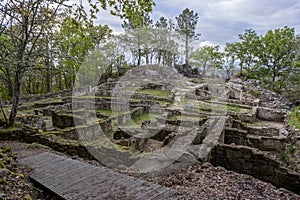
294,118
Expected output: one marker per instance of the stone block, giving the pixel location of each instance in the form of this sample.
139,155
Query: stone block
267,170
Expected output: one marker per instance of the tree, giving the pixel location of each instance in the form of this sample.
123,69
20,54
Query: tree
186,25
229,59
207,56
247,49
278,51
133,11
161,27
165,44
23,24
75,39
139,37
202,58
217,59
24,27
6,77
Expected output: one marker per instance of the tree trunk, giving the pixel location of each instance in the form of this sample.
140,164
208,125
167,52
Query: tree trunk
119,66
274,73
159,56
10,88
147,57
186,50
204,69
15,100
3,112
48,75
139,56
241,70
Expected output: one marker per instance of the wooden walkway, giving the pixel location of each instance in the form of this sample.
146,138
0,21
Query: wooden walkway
72,179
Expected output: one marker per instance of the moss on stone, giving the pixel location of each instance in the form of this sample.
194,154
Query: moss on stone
157,93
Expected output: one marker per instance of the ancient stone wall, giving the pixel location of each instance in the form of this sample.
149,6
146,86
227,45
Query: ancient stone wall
249,161
30,134
33,120
264,143
64,120
29,98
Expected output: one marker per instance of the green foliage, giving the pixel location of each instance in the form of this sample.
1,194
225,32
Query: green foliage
187,22
229,58
186,26
277,54
24,24
75,40
207,57
247,49
130,10
294,118
99,64
4,92
272,58
289,156
27,197
43,43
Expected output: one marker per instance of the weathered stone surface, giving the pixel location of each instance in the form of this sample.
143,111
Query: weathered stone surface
64,120
263,131
236,136
33,120
3,172
270,114
266,143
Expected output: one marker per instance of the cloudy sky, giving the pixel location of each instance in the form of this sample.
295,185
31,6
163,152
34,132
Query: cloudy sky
221,21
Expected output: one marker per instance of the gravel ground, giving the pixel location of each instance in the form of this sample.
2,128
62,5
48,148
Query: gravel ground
208,182
197,182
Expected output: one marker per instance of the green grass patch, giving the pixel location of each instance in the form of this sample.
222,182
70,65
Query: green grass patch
30,111
34,145
144,117
49,100
85,97
140,119
131,89
110,112
157,93
134,100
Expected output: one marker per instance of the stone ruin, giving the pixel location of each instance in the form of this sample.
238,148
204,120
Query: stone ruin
157,129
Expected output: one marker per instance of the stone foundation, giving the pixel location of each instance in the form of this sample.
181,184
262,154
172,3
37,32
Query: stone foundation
250,161
64,120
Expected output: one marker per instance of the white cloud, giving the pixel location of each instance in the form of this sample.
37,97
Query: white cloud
104,17
220,21
208,43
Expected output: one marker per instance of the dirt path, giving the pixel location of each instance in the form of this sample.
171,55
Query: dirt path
22,150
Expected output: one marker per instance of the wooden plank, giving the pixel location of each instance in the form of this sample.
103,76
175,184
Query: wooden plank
72,179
